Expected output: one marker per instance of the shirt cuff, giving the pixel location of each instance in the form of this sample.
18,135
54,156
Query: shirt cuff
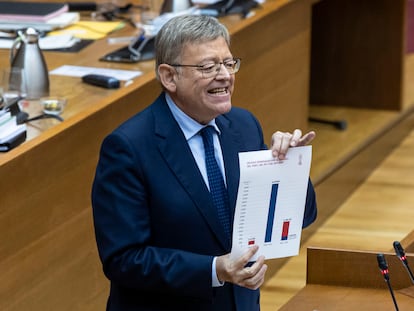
215,281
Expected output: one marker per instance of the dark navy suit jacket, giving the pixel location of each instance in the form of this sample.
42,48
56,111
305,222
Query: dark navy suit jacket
156,227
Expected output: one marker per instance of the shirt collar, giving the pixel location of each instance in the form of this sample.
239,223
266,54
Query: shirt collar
189,126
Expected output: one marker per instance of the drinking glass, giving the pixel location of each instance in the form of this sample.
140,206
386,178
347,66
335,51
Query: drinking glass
12,85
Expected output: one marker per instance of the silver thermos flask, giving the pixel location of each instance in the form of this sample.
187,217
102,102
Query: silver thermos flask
26,56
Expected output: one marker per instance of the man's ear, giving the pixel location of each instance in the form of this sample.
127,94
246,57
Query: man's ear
167,75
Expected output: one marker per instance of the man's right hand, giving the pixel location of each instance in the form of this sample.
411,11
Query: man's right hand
236,271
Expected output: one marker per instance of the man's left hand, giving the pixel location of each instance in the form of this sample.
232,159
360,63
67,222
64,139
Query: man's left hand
282,141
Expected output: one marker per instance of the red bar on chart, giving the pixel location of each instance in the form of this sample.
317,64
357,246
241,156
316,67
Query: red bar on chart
285,230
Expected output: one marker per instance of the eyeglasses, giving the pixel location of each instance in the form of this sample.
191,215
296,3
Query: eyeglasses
211,69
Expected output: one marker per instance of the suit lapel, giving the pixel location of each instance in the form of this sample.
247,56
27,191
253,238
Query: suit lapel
176,152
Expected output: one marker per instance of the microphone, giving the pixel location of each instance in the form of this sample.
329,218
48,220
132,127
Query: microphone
399,251
382,264
339,124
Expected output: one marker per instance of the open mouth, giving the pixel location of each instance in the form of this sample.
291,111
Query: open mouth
219,91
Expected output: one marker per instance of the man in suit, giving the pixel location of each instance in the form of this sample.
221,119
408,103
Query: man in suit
161,241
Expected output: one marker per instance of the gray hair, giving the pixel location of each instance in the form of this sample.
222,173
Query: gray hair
183,29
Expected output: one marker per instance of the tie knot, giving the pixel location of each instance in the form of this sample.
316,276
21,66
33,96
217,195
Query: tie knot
207,134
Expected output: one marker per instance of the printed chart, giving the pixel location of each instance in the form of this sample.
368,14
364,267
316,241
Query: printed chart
271,202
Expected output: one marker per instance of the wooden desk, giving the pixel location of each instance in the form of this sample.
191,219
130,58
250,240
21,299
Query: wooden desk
350,280
48,257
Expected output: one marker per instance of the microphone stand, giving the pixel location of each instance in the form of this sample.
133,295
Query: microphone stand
384,271
407,267
392,294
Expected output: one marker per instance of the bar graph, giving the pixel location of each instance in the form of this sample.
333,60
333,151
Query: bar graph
270,203
271,213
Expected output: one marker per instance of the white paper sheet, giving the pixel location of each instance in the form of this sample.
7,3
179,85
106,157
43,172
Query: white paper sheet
271,202
46,43
79,71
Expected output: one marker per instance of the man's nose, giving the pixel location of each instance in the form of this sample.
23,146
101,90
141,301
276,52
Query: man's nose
223,72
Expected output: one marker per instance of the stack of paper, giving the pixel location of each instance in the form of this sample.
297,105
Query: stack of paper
11,133
31,11
43,16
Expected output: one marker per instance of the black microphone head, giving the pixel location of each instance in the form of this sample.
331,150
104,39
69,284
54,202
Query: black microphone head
398,249
341,125
382,263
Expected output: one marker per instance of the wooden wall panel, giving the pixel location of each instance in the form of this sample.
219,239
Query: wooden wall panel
358,53
274,77
353,269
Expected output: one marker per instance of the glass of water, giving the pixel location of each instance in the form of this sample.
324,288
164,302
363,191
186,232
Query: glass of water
12,85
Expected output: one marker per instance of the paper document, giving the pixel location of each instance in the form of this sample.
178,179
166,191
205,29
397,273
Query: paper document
79,71
61,21
46,43
271,202
89,29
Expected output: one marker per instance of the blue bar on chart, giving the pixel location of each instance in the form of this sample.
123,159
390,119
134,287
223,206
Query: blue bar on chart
271,214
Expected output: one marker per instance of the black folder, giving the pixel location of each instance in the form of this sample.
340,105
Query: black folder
13,142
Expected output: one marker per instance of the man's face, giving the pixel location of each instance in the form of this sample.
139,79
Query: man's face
201,98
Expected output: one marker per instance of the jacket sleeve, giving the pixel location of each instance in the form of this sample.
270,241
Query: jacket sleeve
121,216
310,207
